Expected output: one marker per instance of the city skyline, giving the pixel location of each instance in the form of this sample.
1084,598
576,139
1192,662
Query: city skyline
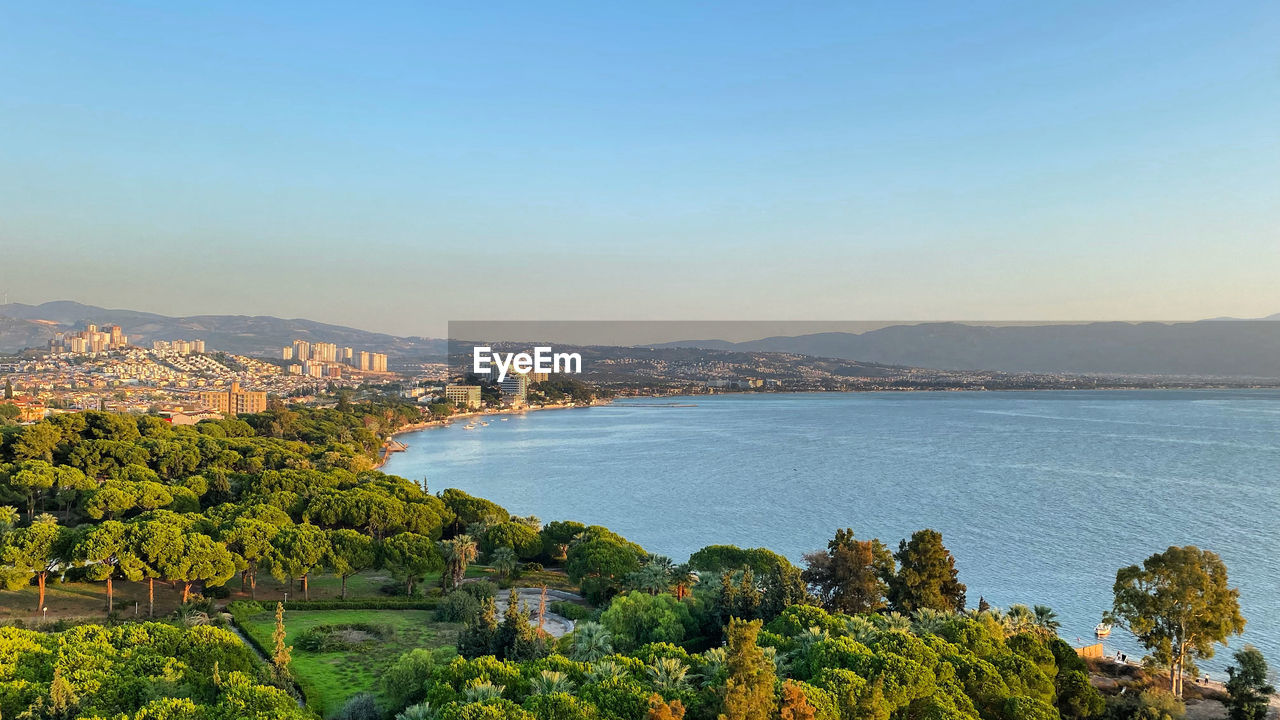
397,169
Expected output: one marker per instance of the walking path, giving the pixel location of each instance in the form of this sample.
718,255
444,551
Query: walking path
530,598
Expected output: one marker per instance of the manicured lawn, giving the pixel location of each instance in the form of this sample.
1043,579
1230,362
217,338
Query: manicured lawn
329,678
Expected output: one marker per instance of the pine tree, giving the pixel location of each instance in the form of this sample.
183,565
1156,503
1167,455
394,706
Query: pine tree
516,639
281,655
479,636
926,576
748,691
1247,687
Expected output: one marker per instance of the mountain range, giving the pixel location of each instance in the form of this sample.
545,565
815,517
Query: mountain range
27,326
1221,347
1207,348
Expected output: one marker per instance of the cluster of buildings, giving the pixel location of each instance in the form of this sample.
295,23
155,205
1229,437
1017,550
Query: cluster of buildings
177,347
514,392
327,360
749,383
91,340
181,380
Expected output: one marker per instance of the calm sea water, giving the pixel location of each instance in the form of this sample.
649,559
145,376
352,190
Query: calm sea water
1040,495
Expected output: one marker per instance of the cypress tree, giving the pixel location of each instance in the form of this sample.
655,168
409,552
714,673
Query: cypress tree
748,691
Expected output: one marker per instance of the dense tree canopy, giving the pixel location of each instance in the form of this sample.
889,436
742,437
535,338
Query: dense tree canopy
735,633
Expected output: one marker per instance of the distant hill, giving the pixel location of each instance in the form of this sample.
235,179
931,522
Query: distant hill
1242,348
24,326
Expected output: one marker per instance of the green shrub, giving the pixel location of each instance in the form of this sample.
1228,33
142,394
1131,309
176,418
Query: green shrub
239,608
480,589
363,706
341,637
571,610
458,606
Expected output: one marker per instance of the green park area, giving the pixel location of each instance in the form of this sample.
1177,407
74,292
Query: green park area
354,647
364,596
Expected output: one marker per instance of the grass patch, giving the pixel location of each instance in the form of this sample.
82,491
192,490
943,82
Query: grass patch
88,600
553,579
329,678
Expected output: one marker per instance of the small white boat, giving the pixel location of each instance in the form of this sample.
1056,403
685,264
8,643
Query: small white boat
469,426
484,423
505,419
1102,629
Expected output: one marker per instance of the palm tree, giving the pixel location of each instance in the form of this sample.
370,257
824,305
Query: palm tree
551,681
651,578
606,670
713,664
861,629
457,554
1019,619
1047,620
8,518
504,560
591,641
421,711
927,621
479,691
683,578
669,674
895,621
806,640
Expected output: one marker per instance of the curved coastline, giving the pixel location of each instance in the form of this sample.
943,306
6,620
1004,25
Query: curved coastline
1020,475
445,422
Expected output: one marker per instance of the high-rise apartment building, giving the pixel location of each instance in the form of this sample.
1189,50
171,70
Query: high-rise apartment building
515,390
373,362
324,352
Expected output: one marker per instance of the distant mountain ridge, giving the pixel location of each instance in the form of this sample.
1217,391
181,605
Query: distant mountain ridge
25,326
1205,349
1221,347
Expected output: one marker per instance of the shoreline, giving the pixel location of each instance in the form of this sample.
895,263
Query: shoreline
445,422
385,456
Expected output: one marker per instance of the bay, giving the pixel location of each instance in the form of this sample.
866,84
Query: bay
1041,496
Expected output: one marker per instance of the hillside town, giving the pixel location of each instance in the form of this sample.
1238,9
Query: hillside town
98,369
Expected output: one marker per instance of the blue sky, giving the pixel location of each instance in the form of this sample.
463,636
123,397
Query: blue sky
396,165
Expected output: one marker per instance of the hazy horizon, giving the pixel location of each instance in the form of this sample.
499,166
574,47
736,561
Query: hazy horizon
394,168
642,332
